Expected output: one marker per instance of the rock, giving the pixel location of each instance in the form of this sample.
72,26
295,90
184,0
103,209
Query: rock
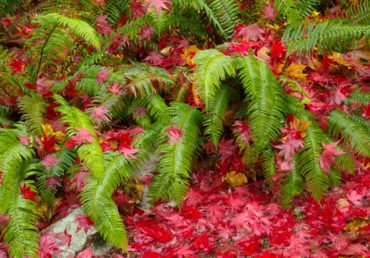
78,240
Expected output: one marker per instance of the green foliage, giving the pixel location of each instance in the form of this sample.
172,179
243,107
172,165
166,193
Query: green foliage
317,181
212,68
266,107
326,36
176,160
351,132
52,38
292,185
98,204
21,232
214,118
33,109
90,153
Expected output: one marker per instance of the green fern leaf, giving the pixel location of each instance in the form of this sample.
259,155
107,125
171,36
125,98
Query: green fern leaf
212,67
176,161
266,103
33,109
214,118
351,132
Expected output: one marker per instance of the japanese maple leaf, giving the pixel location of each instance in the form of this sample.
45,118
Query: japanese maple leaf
244,131
16,65
49,161
24,140
87,253
79,179
115,89
327,158
27,193
102,76
158,5
193,198
216,213
366,111
6,22
227,149
125,146
47,143
52,182
158,233
174,134
289,147
146,32
252,32
103,26
99,114
82,136
84,222
268,12
154,58
278,50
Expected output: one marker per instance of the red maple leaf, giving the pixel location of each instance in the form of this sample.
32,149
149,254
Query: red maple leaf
158,5
327,158
82,136
99,114
174,134
125,146
278,50
102,76
289,147
227,149
87,253
27,193
84,222
158,233
102,26
366,111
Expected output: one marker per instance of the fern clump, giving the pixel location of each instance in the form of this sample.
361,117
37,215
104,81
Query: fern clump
91,90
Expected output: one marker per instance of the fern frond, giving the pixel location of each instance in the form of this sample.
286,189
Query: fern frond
90,153
141,79
33,109
292,185
359,14
266,103
80,28
214,118
98,204
227,12
176,161
325,36
21,232
12,155
351,132
268,165
308,160
212,67
289,9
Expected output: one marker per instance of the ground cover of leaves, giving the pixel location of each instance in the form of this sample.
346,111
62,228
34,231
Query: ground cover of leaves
218,221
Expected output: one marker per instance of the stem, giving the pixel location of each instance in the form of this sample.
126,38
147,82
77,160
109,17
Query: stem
42,52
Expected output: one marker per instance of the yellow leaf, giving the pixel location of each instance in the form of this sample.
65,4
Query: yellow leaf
296,71
189,53
274,27
262,54
48,129
300,126
338,58
235,179
315,14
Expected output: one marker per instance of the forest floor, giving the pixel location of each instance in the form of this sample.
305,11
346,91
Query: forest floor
218,221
